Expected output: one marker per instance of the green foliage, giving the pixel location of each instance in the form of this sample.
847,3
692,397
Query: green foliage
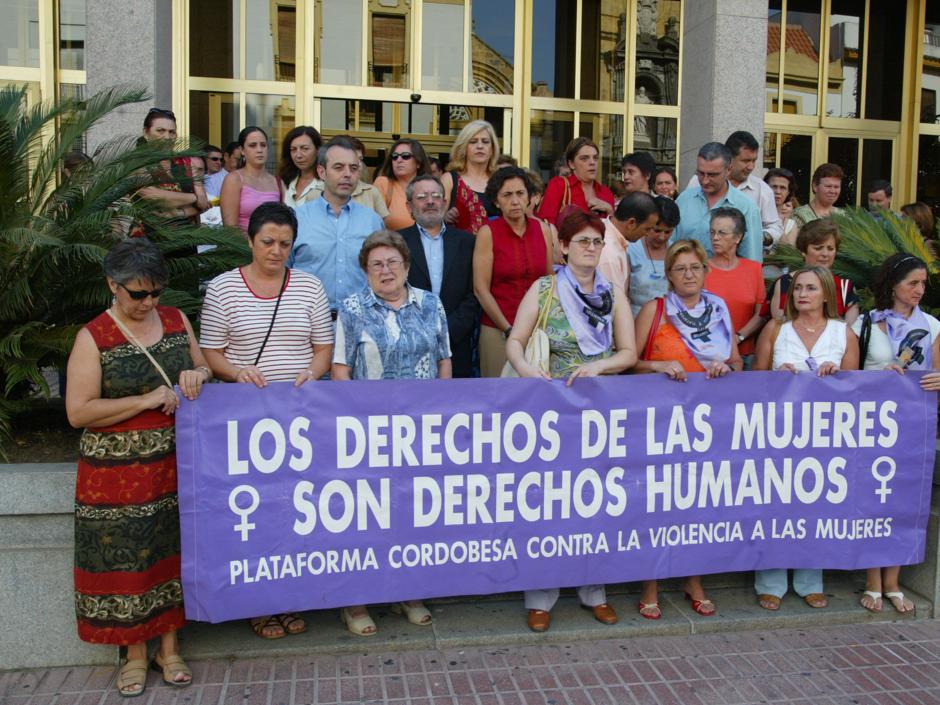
868,241
54,236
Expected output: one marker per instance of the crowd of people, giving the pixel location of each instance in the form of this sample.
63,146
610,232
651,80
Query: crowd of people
430,274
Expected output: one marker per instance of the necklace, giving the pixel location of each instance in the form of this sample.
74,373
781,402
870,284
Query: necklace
807,328
649,256
698,324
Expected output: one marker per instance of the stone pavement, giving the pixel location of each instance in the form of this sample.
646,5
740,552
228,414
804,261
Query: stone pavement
880,663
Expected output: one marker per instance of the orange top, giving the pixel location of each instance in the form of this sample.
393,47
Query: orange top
668,345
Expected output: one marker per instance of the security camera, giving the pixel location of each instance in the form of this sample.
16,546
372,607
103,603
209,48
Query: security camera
415,97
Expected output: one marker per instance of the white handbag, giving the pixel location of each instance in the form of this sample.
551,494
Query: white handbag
537,350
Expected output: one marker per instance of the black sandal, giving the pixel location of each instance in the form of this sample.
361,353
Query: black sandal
291,623
260,624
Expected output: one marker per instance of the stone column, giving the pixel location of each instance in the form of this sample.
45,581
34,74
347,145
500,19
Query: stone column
129,43
724,61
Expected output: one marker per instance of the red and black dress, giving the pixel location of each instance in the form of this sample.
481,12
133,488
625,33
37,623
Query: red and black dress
127,531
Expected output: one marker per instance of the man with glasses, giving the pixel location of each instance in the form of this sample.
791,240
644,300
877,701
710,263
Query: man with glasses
213,160
442,262
714,190
331,229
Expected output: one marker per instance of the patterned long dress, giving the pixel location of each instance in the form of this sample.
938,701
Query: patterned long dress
127,536
565,354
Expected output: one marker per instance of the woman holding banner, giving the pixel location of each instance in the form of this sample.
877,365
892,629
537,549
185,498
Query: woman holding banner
898,336
590,331
814,340
688,330
267,323
389,330
127,535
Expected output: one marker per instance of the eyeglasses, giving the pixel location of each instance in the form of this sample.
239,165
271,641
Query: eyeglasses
684,269
421,197
721,233
214,159
141,294
588,242
393,265
163,112
401,155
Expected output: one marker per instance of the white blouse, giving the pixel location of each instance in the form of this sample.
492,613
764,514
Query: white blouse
788,348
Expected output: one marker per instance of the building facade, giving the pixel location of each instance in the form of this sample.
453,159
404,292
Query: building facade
849,81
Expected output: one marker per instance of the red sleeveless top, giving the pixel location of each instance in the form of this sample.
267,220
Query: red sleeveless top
517,262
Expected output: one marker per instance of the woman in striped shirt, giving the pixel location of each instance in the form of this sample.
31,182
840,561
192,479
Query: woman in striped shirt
267,323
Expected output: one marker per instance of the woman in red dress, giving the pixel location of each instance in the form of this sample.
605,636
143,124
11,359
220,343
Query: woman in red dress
127,535
581,187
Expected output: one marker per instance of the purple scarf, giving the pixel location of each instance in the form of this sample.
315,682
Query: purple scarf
705,329
589,315
910,337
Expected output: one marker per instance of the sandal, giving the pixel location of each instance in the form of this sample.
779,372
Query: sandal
769,602
816,600
650,610
705,607
173,667
416,614
900,603
291,623
361,625
132,678
871,601
268,627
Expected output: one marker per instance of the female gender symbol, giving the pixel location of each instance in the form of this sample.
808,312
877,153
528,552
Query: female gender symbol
245,526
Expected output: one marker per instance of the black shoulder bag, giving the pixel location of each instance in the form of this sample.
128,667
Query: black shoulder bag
863,338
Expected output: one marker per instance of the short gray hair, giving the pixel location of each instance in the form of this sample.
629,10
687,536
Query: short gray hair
136,258
711,151
410,188
339,141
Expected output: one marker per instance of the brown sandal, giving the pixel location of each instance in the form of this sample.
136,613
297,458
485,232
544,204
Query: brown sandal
133,675
769,602
816,600
268,627
291,623
172,667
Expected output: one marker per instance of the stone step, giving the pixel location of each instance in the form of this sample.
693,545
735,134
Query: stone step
501,621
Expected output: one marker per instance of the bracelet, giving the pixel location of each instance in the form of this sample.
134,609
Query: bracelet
311,373
207,371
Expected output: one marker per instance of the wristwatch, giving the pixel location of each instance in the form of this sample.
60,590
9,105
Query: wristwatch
741,338
507,332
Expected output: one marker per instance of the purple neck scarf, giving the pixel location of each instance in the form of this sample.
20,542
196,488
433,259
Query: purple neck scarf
910,337
590,315
705,329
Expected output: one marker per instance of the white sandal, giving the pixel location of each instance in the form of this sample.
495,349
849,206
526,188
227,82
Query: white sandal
898,598
417,614
361,625
875,599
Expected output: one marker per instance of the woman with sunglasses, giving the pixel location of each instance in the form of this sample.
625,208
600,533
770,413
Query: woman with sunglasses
406,161
590,333
127,543
248,187
687,330
177,184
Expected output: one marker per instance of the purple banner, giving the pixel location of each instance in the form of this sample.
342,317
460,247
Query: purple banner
348,493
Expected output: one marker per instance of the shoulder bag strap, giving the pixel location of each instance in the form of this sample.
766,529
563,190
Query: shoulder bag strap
546,306
454,185
864,338
137,344
277,305
566,198
657,319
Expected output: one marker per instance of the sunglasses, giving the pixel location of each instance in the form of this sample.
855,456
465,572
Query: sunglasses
401,155
141,294
214,159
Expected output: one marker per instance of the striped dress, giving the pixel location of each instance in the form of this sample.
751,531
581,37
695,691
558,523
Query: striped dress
127,532
235,320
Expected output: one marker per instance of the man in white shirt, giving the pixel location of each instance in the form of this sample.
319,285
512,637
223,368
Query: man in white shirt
744,148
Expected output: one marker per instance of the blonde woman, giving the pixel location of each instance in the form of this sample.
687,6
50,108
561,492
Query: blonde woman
472,163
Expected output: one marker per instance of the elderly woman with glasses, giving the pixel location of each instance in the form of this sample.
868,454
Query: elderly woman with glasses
127,536
590,332
406,161
687,330
737,280
389,330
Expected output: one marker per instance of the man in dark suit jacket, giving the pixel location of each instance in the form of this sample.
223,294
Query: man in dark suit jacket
442,262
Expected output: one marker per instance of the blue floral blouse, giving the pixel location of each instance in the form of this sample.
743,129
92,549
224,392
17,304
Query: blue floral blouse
380,342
